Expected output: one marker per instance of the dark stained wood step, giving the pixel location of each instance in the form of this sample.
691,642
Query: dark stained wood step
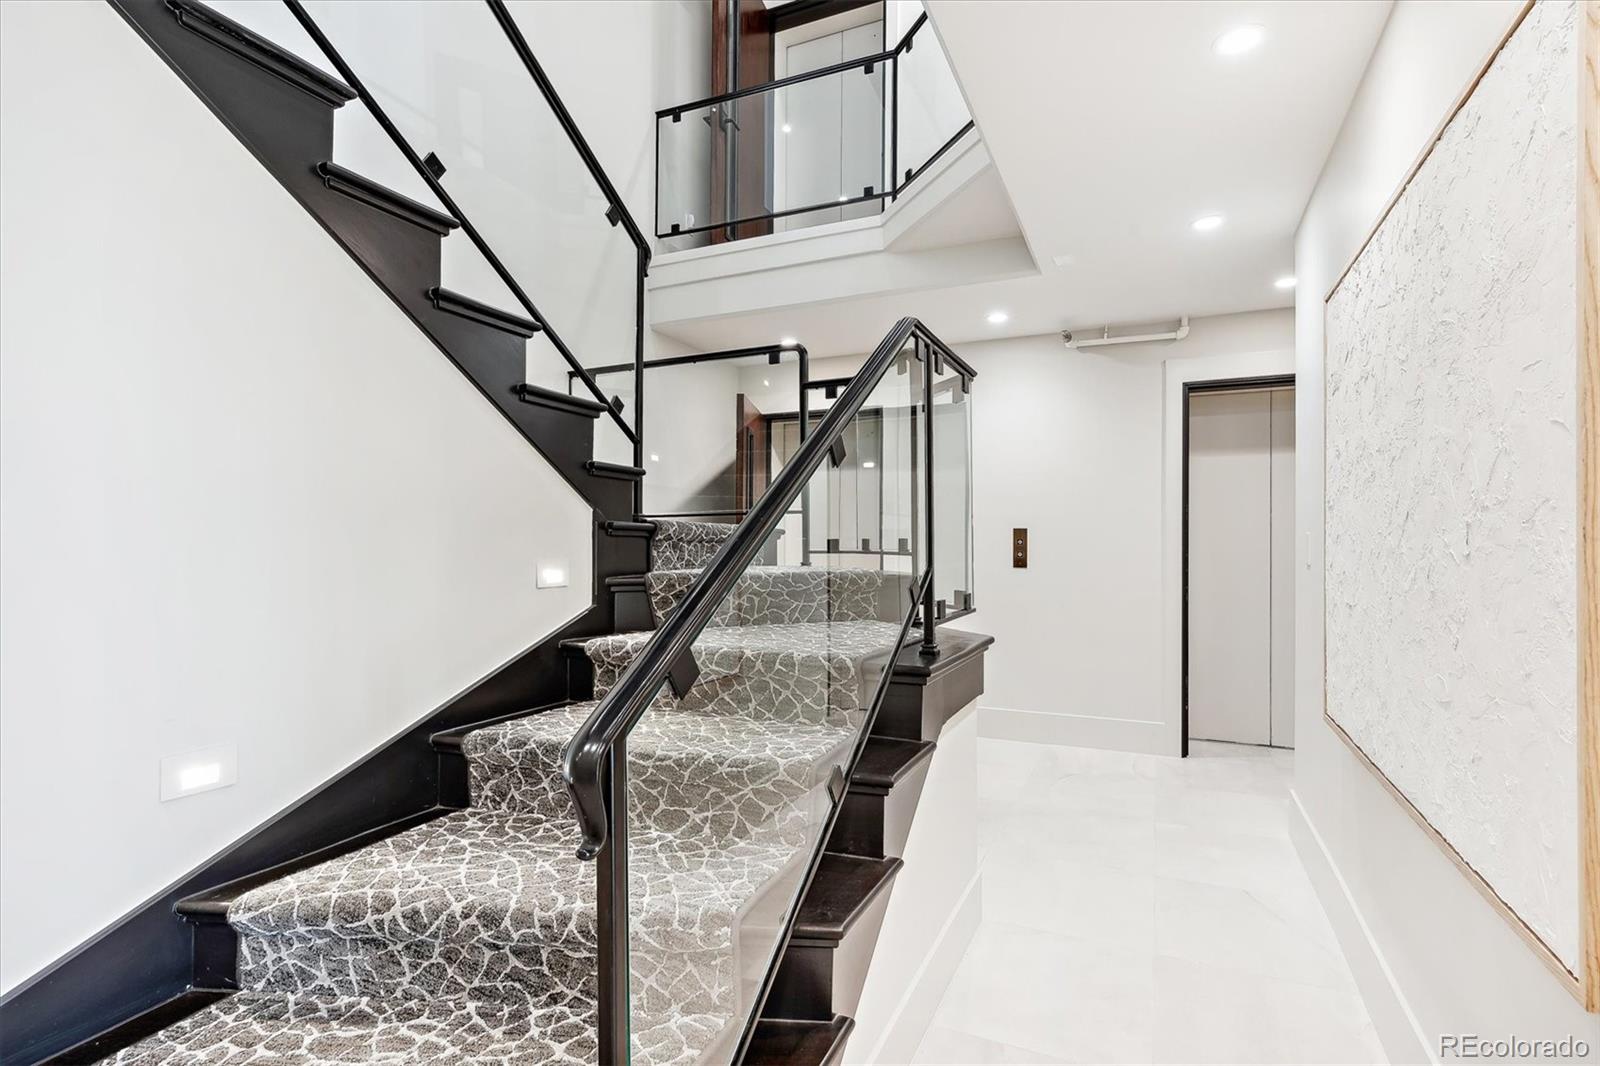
885,760
842,890
798,1043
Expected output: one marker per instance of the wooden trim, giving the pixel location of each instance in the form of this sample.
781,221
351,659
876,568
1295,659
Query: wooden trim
1486,890
1589,497
1433,139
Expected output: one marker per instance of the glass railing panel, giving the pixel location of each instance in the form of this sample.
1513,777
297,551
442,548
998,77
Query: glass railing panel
715,432
728,796
929,109
789,156
952,489
450,79
684,184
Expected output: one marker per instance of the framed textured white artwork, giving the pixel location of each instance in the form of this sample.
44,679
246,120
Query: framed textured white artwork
1459,557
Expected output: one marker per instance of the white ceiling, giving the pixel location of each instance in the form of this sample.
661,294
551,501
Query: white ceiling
1115,125
1112,127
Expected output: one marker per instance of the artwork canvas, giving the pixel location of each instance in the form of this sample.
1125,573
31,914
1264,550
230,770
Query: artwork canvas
1451,462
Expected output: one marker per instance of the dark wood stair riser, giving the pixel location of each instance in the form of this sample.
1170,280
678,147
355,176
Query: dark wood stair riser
874,823
916,708
820,978
625,552
630,603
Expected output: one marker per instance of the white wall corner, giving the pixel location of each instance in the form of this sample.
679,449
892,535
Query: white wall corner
1391,1014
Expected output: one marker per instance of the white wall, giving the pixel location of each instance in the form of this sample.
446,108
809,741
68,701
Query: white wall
690,432
1430,954
214,529
1077,447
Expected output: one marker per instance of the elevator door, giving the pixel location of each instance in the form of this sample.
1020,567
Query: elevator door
1240,566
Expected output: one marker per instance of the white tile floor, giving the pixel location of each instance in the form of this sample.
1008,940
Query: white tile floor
1144,909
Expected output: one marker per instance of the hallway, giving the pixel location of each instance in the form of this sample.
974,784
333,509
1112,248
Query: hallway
1145,909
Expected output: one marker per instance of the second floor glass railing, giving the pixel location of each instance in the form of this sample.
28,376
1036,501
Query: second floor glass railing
821,145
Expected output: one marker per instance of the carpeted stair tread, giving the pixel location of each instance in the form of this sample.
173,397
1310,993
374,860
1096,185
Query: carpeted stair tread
679,544
489,907
779,595
692,775
674,737
253,1027
810,671
500,878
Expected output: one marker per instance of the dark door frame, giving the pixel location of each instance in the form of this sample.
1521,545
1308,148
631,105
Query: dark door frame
1263,383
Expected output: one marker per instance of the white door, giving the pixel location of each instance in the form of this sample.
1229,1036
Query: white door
830,130
1240,567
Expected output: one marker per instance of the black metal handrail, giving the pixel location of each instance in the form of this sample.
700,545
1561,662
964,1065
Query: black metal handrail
594,762
864,62
347,72
896,183
618,211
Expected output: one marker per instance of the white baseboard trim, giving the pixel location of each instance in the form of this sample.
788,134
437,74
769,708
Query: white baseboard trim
1391,1014
914,1012
1076,730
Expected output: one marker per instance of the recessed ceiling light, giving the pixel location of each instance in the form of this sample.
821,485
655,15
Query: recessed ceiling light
1207,223
766,384
843,197
787,128
869,465
787,342
998,317
654,458
1239,40
1285,282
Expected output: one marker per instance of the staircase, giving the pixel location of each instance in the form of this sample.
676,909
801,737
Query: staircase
764,790
472,937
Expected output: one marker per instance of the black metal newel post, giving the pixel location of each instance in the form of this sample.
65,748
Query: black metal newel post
893,184
642,258
805,419
930,637
611,915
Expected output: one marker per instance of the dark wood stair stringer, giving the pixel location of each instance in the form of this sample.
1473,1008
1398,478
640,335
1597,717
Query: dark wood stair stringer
805,1018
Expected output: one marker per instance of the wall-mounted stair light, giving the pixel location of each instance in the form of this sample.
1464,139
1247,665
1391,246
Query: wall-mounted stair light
552,575
199,771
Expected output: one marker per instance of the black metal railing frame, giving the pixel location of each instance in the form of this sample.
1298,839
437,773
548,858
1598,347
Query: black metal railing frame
617,212
772,351
891,61
594,763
